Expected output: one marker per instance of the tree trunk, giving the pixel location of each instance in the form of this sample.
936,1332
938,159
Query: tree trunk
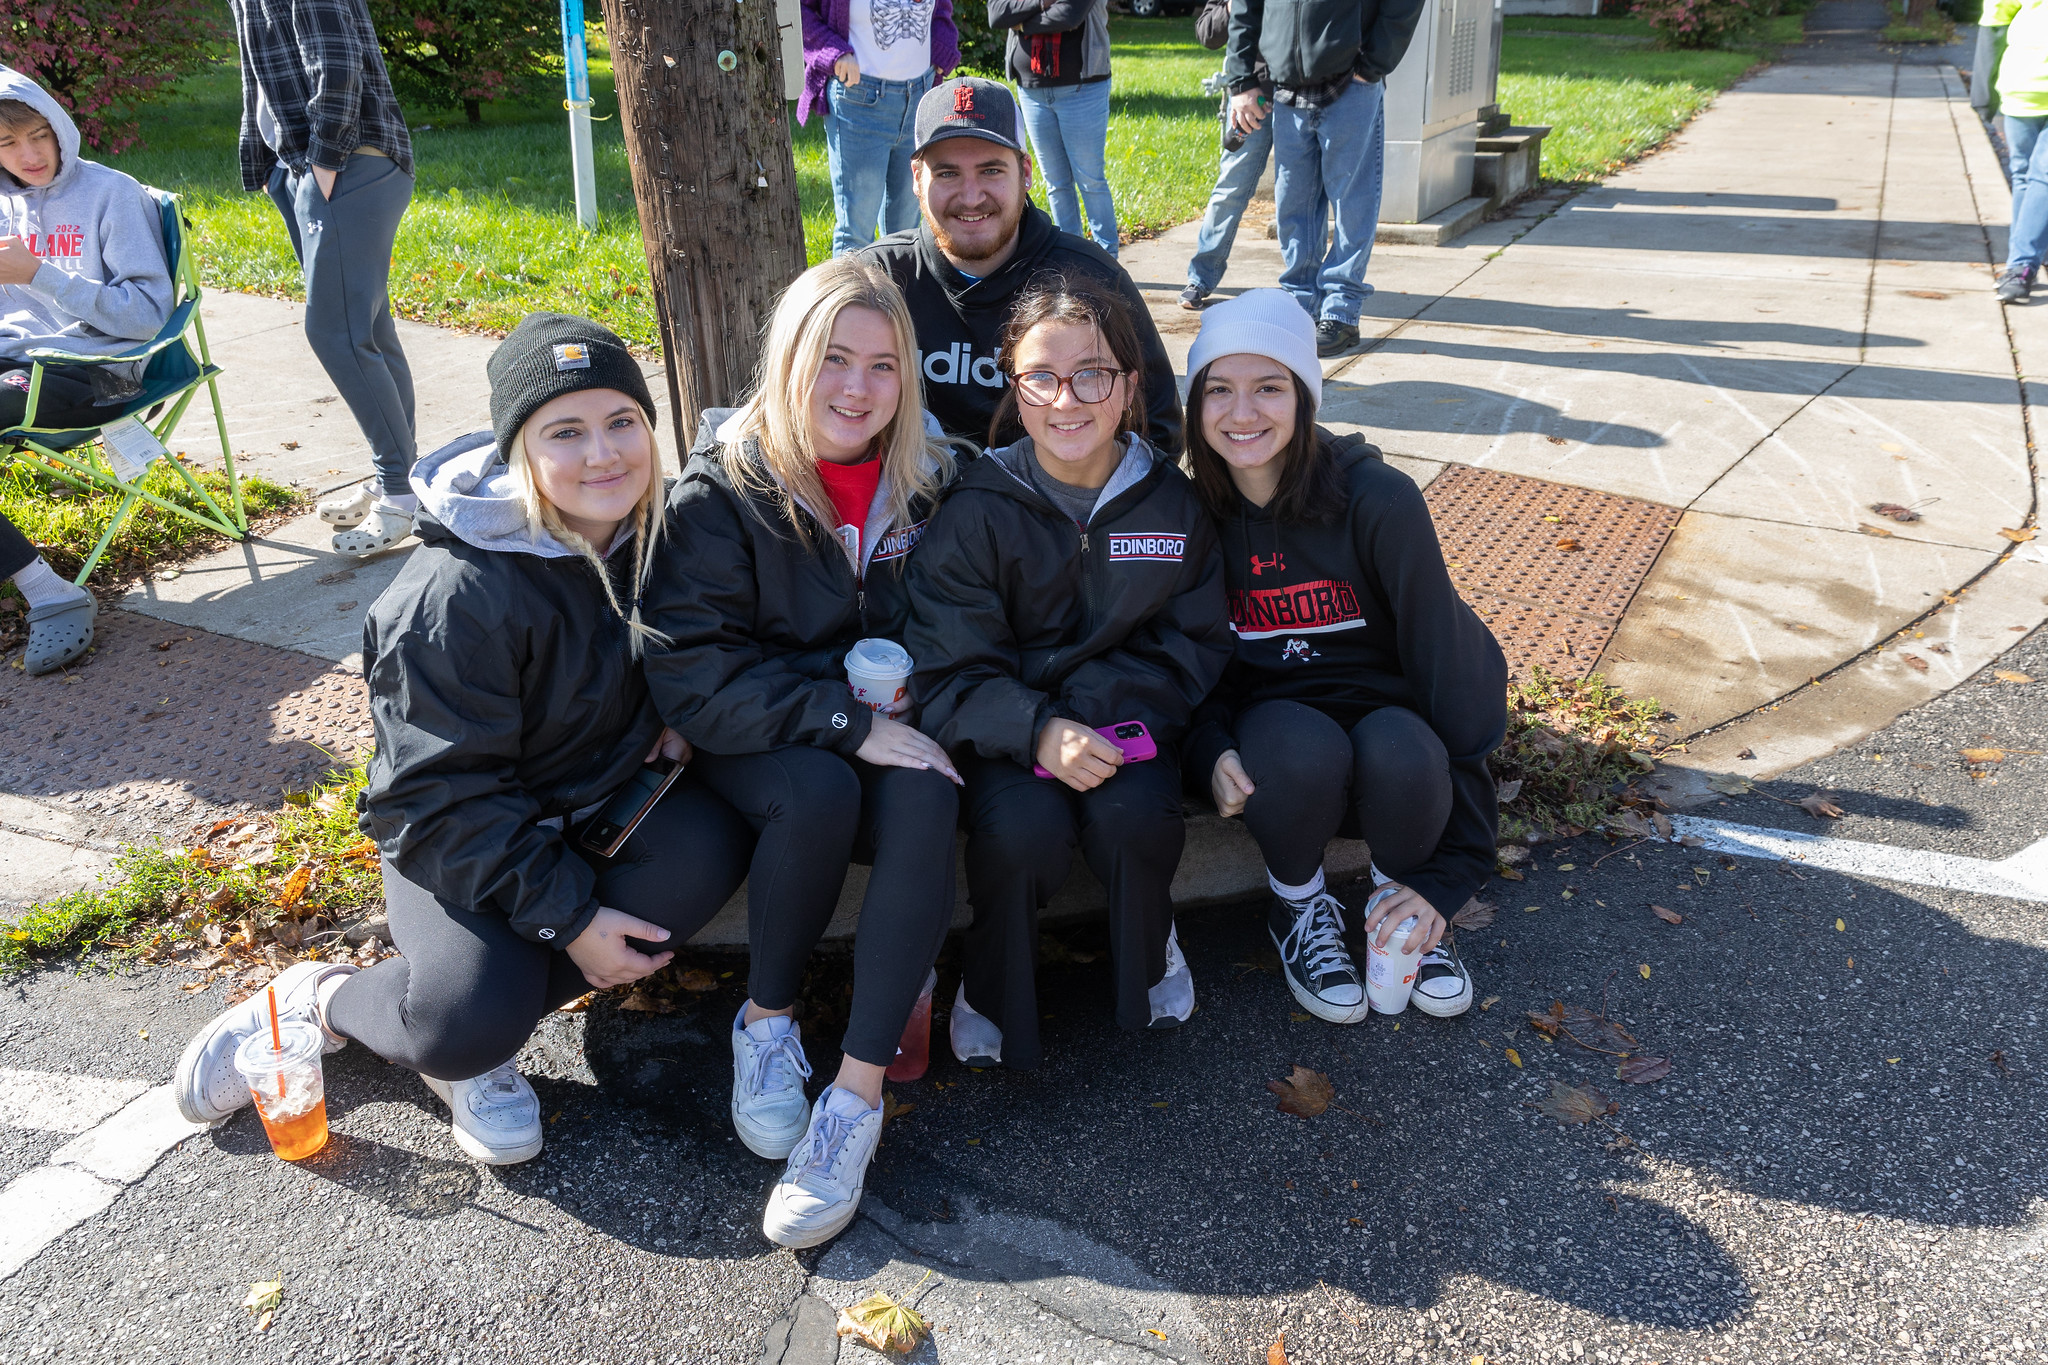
475,110
715,181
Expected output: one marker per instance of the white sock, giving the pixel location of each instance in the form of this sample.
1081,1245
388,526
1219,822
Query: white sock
41,585
1379,878
323,996
1312,887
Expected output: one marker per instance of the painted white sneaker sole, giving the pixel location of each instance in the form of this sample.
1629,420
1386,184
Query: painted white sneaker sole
488,1153
797,1236
773,1143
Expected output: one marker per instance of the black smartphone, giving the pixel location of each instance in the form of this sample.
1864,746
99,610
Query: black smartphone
628,806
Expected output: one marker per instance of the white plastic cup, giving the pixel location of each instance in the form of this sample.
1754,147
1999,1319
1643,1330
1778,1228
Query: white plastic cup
1390,972
878,675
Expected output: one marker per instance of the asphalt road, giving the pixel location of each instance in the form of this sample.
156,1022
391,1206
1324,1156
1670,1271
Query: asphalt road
1846,1161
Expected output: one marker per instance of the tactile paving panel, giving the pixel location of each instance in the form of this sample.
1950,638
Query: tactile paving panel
1546,605
166,721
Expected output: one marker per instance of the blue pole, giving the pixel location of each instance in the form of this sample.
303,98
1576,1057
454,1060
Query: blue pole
576,71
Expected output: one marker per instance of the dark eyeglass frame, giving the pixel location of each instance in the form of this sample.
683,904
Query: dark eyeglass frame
1067,382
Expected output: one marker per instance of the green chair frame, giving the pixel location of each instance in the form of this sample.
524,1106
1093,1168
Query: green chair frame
178,363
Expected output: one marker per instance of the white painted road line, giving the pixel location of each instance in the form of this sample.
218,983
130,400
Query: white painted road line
56,1103
2023,876
88,1173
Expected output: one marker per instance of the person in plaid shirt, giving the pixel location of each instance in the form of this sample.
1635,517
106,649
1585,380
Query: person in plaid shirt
324,136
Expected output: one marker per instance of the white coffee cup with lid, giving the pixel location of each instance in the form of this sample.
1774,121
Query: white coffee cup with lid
878,675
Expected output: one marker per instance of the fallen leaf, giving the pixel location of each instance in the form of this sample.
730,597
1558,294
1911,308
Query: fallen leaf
1747,754
1641,1070
891,1109
1488,1003
1644,971
1511,853
1576,1103
1668,916
1154,1331
1984,755
1925,294
1730,784
1476,914
1841,927
578,1005
1819,806
698,980
1662,822
1304,1093
1276,1354
1512,1056
288,445
1915,662
2007,675
2019,537
1894,511
882,1324
1568,543
294,889
645,1003
263,1300
1867,529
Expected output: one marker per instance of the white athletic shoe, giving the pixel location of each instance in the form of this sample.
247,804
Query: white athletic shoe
1173,998
348,507
384,527
821,1187
206,1083
976,1039
769,1068
497,1115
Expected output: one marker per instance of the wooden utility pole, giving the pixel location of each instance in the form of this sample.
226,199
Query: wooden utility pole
707,132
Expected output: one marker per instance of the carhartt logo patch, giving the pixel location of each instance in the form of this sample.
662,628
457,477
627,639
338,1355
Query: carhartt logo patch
1154,545
572,355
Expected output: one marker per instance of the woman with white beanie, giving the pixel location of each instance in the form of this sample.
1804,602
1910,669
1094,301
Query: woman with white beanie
1363,695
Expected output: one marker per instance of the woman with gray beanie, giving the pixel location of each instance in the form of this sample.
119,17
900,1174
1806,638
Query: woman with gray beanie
1363,696
507,691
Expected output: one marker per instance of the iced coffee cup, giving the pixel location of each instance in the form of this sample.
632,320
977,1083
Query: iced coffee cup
1389,970
878,675
287,1085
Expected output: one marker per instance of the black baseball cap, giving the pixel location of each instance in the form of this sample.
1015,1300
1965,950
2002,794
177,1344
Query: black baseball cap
968,106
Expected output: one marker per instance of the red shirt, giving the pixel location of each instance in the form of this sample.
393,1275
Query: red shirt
852,490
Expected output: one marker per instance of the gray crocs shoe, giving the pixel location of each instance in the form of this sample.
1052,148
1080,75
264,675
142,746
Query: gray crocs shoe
383,528
59,632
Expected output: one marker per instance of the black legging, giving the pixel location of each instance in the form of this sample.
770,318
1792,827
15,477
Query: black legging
1387,782
815,812
468,990
1022,832
66,401
16,552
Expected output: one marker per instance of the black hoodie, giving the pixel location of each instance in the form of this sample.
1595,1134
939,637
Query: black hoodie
958,320
1017,615
1357,614
760,621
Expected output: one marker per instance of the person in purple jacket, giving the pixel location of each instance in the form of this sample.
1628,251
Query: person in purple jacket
869,62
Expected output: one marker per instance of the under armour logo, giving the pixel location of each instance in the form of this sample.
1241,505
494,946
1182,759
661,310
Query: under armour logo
547,933
839,720
1276,561
963,99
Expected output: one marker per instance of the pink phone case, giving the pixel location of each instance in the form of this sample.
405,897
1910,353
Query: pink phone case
1136,748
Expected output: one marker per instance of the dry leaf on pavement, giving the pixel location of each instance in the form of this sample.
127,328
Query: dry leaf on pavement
698,980
1576,1103
1641,1070
1476,914
882,1324
1276,1354
1915,662
891,1109
1508,791
1894,511
1512,1056
1644,971
1730,784
1984,755
1820,807
2007,675
2017,537
647,1004
1589,1030
1668,916
1305,1093
1867,529
264,1297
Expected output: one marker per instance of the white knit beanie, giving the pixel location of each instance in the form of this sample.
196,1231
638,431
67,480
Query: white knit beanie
1265,322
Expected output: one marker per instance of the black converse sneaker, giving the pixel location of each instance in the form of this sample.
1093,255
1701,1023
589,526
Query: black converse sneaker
1318,967
1442,985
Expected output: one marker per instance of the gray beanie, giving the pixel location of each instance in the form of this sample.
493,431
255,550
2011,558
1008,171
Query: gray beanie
1265,322
550,354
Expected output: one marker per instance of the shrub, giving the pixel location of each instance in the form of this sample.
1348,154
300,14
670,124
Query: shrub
1703,23
101,58
981,47
443,53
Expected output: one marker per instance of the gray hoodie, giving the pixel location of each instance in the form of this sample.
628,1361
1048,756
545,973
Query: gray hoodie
104,284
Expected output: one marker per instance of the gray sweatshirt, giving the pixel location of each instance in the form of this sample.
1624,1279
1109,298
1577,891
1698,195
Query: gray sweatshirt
104,283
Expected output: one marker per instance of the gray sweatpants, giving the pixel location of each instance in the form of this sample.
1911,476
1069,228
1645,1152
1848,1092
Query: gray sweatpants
344,250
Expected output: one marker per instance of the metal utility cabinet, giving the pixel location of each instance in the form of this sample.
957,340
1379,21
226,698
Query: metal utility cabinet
1434,99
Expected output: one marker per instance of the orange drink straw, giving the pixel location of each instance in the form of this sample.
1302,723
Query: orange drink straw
276,1038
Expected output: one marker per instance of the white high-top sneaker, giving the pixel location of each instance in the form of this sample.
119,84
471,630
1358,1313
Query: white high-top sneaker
769,1068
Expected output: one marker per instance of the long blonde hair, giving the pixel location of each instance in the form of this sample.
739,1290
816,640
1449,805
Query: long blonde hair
646,518
775,421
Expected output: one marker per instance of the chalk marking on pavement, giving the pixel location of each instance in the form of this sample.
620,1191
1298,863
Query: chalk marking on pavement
89,1172
2023,876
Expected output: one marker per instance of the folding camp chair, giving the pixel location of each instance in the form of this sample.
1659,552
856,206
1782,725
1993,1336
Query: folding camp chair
178,363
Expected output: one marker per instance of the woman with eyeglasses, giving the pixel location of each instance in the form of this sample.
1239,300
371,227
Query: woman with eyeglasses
1070,585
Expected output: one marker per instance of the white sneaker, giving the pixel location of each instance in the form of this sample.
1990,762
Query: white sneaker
1443,987
384,527
769,1068
348,507
1173,998
975,1038
497,1115
821,1187
206,1083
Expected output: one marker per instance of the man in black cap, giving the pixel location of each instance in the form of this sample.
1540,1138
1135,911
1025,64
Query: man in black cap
980,243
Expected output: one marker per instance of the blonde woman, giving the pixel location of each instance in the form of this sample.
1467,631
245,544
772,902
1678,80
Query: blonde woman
787,540
506,689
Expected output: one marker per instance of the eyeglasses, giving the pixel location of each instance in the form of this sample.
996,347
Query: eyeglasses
1041,388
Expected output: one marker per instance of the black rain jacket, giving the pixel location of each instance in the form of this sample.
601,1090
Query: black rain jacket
504,692
1306,43
1018,615
760,621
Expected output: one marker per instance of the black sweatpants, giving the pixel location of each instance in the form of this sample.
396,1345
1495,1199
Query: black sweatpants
815,813
16,550
66,400
1387,781
1022,833
468,990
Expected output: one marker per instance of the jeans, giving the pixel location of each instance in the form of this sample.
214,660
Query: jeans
344,248
2029,234
1237,178
1333,155
1069,127
868,136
